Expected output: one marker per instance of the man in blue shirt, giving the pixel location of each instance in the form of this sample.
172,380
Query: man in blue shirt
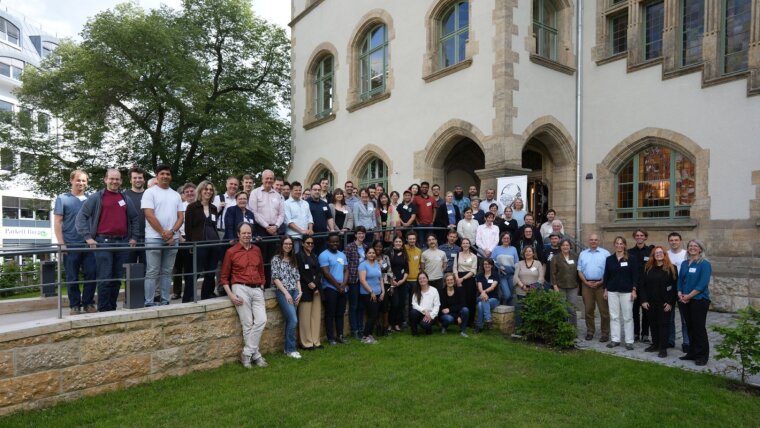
67,206
334,266
591,263
320,216
451,249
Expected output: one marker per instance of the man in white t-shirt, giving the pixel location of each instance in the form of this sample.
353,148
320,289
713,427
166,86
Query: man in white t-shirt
164,215
677,255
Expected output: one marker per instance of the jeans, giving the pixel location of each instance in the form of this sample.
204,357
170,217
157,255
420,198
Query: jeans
291,318
355,309
158,270
372,309
74,262
253,317
110,271
484,310
417,320
620,305
505,288
448,319
335,308
684,330
518,310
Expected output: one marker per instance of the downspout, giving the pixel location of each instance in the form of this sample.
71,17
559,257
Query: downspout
578,113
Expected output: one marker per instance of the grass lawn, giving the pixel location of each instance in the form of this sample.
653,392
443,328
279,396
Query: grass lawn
484,380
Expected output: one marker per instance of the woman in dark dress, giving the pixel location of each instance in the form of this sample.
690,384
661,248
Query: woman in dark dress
399,289
658,295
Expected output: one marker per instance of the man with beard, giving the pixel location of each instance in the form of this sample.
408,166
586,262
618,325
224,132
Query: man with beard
460,199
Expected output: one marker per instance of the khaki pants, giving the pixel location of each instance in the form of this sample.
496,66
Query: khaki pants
593,297
571,296
253,317
309,322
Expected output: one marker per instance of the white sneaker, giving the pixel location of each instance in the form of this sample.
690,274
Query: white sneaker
294,355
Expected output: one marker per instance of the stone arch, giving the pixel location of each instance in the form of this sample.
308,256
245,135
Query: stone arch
366,154
320,52
316,167
553,128
429,162
367,22
622,152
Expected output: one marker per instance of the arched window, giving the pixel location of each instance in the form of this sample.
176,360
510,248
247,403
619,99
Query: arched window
545,28
9,32
373,60
454,32
375,172
326,173
657,182
323,87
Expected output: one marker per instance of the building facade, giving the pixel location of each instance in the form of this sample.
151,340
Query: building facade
463,92
26,217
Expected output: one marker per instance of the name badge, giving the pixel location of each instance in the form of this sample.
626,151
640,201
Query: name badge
453,255
409,209
340,261
428,204
490,281
82,198
571,262
122,203
624,264
385,265
213,217
324,208
306,266
450,212
416,257
692,270
345,211
533,269
402,271
646,259
550,256
406,206
469,260
385,211
670,287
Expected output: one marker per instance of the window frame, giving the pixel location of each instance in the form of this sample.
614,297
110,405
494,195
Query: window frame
320,79
539,27
455,34
723,39
365,61
682,31
15,67
611,25
636,211
366,180
646,43
4,35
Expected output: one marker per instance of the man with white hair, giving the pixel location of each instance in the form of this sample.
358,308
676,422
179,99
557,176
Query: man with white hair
267,207
546,227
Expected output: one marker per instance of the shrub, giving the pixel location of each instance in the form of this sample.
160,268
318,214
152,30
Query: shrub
742,341
544,316
9,278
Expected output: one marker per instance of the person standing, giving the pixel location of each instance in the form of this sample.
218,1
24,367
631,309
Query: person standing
505,258
487,237
364,211
236,215
108,219
434,262
591,264
298,217
465,270
677,255
324,190
266,205
640,252
341,212
485,205
425,306
546,227
694,300
135,194
321,217
200,226
426,209
310,308
518,211
509,225
334,265
407,212
351,198
355,254
564,273
243,280
414,257
468,226
453,309
460,199
659,292
164,215
67,206
447,216
371,292
621,276
226,200
399,288
287,282
451,249
247,184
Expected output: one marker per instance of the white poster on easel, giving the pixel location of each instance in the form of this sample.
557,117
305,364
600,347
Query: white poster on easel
510,188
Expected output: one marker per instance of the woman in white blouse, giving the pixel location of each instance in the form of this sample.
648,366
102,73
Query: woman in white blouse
425,305
468,226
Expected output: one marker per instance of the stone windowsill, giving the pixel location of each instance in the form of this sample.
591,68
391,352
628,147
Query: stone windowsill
682,71
644,64
612,58
724,79
661,225
448,70
366,103
554,65
316,122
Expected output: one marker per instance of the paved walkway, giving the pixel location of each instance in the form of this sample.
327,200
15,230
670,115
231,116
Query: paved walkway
729,368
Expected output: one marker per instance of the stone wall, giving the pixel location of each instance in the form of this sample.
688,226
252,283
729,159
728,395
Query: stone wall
45,362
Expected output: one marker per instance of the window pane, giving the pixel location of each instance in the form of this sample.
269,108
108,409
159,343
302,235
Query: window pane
376,69
43,122
27,208
448,23
13,33
736,35
693,26
378,37
5,69
619,32
654,164
464,14
448,51
327,65
461,45
625,195
653,30
685,181
10,213
6,159
327,95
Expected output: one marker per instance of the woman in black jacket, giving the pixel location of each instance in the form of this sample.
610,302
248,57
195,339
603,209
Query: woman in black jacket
398,291
447,215
658,294
310,307
200,226
453,308
529,239
233,216
621,276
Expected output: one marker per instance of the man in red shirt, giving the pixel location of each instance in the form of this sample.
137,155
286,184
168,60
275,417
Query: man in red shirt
243,279
426,207
109,219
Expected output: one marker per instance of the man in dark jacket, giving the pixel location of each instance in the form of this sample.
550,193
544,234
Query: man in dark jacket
109,219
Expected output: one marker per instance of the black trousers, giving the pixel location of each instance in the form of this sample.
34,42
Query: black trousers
398,302
470,295
640,319
416,321
695,315
659,321
371,309
335,309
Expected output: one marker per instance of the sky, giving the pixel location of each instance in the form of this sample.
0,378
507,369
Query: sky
66,18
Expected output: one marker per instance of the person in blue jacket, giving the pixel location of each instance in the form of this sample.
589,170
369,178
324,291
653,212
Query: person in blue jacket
694,300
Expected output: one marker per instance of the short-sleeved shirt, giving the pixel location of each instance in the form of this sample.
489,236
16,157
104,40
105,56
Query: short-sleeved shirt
68,206
320,213
591,263
451,253
434,260
374,272
487,283
425,208
335,263
166,203
405,211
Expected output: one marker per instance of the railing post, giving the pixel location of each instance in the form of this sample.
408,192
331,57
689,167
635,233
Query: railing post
195,272
58,281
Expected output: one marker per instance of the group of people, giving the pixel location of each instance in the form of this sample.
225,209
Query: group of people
415,259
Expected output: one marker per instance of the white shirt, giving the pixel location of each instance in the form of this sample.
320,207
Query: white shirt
297,212
677,258
166,203
182,228
546,229
488,237
229,201
429,301
468,229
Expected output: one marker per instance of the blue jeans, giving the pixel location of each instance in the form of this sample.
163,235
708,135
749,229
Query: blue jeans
291,318
505,288
518,311
355,309
484,310
109,271
448,319
74,262
158,270
684,332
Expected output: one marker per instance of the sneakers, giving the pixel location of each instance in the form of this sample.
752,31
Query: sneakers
604,339
369,340
260,362
629,346
612,344
245,360
589,337
686,357
701,362
685,348
294,355
75,311
90,309
333,343
463,334
342,340
443,330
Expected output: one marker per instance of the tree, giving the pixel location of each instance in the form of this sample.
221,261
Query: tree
200,89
